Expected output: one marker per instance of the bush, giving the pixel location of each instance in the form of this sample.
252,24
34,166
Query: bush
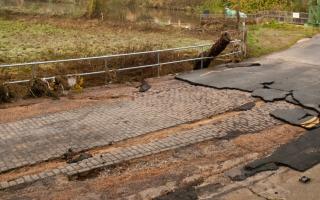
4,93
249,6
257,5
9,93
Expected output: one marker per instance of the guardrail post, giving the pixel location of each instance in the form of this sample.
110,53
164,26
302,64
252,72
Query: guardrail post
33,71
106,70
244,40
159,65
202,49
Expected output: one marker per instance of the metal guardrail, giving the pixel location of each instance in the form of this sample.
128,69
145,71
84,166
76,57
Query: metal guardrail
158,64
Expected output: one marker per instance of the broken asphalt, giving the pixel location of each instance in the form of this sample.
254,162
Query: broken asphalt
292,75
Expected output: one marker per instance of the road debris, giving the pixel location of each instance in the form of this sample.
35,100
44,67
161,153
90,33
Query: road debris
69,154
144,86
72,157
304,179
298,116
78,158
38,87
244,64
245,107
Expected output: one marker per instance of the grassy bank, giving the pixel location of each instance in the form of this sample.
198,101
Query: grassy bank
24,39
270,37
30,40
37,39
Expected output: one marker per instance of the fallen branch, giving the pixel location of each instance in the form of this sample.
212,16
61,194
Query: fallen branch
213,52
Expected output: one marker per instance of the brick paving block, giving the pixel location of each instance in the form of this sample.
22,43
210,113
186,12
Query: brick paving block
58,132
12,183
27,178
42,175
4,185
35,177
20,180
49,173
56,171
69,168
247,122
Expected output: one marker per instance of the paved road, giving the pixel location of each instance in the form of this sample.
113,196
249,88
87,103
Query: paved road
306,51
291,75
236,123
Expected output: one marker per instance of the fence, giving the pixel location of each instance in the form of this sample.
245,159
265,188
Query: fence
105,59
299,18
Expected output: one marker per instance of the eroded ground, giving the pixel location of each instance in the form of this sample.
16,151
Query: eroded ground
204,137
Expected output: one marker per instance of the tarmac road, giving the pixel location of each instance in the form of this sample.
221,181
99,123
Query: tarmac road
294,72
291,75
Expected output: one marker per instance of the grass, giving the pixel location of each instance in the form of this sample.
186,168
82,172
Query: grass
36,39
23,41
271,37
31,39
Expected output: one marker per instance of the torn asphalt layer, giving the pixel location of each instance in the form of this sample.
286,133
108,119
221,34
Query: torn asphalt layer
301,155
284,79
300,117
281,76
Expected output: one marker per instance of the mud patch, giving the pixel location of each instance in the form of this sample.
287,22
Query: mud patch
187,193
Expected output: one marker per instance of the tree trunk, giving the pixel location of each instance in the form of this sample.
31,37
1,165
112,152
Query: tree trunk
93,9
213,52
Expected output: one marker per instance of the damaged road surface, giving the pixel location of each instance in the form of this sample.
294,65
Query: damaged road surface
301,155
292,76
175,140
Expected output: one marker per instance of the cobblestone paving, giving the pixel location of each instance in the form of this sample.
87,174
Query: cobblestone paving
247,122
45,137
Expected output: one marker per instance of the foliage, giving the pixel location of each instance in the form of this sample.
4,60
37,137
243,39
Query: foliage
92,8
254,5
213,6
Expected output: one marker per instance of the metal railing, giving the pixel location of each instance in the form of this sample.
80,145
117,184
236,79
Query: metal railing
158,63
281,16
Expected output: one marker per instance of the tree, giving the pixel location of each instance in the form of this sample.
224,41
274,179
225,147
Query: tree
94,8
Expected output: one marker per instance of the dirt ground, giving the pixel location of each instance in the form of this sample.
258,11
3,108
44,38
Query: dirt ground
25,108
147,178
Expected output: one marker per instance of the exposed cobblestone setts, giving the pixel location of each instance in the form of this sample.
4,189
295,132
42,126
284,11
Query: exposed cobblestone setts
49,136
247,122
